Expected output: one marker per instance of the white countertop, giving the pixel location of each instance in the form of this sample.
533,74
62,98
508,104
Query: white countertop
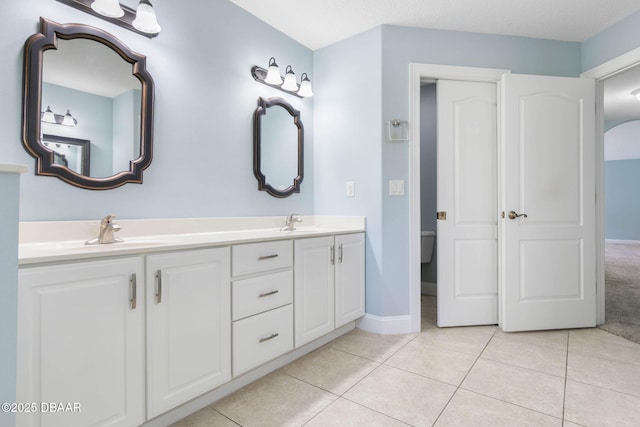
43,242
11,168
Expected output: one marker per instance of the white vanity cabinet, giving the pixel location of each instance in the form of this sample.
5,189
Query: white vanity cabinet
262,297
188,325
81,342
329,284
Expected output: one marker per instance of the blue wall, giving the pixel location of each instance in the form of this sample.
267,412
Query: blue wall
622,199
611,42
205,98
9,188
347,122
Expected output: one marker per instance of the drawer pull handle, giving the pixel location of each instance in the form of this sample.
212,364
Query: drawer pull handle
270,337
266,294
267,257
158,286
134,290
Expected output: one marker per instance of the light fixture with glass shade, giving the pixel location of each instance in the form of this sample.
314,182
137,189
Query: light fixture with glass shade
305,86
146,18
290,80
273,73
142,20
68,120
110,8
271,77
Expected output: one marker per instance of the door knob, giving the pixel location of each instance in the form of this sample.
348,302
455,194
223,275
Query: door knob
514,215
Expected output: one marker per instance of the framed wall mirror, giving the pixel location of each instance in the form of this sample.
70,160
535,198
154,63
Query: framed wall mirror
84,86
278,143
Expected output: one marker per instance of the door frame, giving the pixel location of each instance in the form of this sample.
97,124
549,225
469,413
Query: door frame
600,73
417,74
420,72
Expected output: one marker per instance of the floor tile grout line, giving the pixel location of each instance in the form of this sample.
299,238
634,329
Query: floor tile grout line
566,375
377,411
444,408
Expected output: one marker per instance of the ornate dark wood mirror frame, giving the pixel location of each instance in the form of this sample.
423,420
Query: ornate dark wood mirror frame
83,145
35,46
261,110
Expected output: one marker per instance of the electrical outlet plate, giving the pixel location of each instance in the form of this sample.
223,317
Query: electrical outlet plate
351,189
396,187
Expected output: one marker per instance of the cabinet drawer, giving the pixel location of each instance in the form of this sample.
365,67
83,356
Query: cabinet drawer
262,293
262,337
257,257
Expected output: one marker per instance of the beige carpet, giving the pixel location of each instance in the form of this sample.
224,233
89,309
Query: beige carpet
622,296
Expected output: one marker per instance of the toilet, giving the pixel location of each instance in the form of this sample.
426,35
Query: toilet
426,246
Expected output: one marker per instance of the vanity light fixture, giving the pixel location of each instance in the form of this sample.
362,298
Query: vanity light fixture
142,20
271,77
636,93
49,116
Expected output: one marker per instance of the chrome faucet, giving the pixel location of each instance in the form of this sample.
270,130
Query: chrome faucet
107,228
289,224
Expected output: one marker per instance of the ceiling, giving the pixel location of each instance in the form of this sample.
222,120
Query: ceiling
319,23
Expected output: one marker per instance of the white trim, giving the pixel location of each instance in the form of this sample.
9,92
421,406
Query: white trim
385,325
614,66
622,241
418,73
600,73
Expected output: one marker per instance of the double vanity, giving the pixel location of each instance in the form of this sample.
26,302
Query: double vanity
181,309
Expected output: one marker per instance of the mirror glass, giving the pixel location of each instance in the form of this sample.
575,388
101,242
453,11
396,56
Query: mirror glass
83,87
98,88
278,147
73,153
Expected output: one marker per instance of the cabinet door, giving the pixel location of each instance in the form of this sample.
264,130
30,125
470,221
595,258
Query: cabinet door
349,278
81,341
188,326
313,288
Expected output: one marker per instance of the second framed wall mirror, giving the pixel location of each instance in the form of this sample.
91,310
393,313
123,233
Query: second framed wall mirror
278,147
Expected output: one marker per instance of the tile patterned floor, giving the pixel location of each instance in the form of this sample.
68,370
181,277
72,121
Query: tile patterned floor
473,376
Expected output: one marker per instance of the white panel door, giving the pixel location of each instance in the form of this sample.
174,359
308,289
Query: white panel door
467,192
188,325
548,173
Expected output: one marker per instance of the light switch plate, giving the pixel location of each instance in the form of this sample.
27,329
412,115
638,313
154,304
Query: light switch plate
396,187
351,189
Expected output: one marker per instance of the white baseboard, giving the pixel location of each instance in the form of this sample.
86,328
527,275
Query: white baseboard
622,242
428,288
385,325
